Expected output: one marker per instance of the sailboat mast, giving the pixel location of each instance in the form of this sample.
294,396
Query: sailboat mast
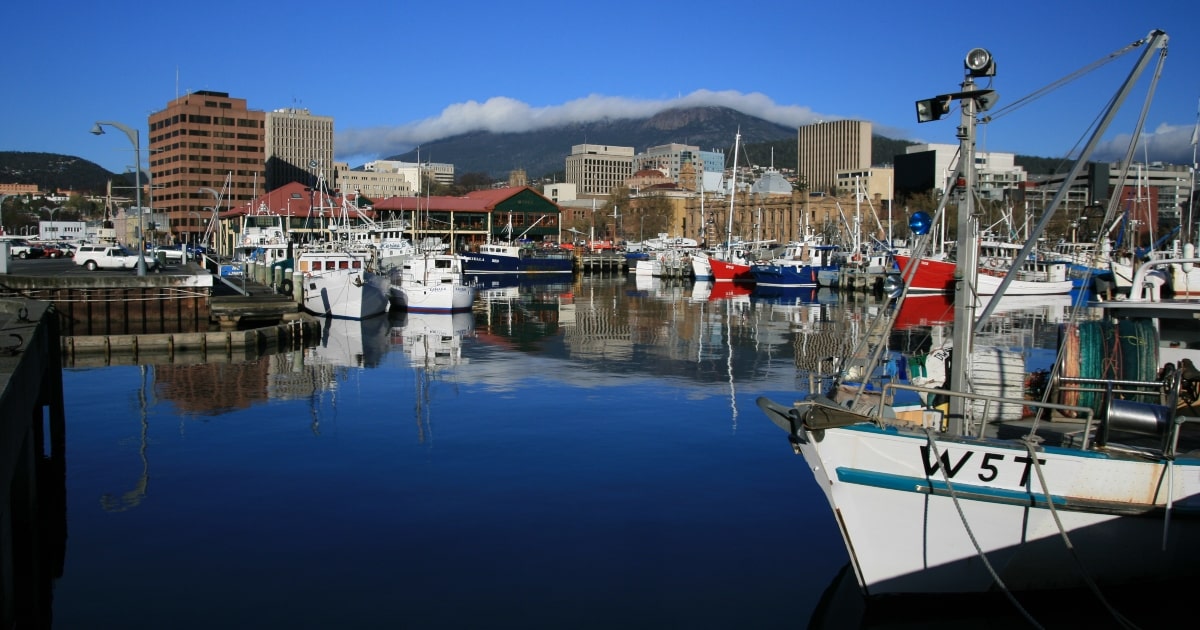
732,193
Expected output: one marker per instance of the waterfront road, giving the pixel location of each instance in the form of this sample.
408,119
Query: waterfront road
47,267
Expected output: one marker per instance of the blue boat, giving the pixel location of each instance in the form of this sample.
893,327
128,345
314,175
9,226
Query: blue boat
798,266
513,258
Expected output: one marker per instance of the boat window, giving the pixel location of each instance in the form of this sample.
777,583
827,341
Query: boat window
342,264
358,264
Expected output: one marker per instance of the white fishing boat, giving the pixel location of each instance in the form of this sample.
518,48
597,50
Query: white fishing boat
942,499
431,283
338,283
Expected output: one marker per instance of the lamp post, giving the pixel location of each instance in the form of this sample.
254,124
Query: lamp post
135,138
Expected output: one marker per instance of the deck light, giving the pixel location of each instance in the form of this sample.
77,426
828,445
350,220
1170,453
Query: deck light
980,63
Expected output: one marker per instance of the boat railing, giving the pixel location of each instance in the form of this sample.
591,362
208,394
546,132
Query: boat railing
1143,288
1121,416
1080,411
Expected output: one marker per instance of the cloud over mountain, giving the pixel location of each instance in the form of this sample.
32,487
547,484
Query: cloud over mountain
502,115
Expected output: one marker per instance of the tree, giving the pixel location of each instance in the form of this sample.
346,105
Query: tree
475,181
654,214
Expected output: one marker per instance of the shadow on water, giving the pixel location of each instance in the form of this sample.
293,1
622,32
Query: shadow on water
1155,605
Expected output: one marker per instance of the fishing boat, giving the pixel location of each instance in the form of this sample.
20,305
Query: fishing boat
338,283
944,500
796,266
518,257
431,283
730,262
1036,278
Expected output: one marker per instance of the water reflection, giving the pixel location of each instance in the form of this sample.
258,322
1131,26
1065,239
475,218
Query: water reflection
613,326
603,430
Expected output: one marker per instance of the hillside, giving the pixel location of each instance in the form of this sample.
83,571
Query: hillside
52,171
545,151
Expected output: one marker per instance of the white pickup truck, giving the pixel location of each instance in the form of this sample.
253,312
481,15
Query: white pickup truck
93,257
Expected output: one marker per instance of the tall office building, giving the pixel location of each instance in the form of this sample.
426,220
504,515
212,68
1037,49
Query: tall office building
825,148
596,169
299,147
201,141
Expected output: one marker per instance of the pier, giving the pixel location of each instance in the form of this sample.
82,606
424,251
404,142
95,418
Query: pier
33,526
602,262
184,313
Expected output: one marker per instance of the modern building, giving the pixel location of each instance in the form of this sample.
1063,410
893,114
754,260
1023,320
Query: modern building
596,169
380,182
825,148
413,171
673,159
925,168
1151,196
560,192
866,183
299,147
204,140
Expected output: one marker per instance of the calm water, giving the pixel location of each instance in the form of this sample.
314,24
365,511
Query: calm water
578,455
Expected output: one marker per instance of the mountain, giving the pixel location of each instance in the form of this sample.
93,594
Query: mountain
52,171
545,151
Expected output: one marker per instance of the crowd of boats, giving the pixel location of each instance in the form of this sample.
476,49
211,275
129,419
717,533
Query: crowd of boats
365,270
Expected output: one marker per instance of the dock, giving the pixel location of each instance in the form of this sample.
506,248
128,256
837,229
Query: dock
602,262
33,496
185,312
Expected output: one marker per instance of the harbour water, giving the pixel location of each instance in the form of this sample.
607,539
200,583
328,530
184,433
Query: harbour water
585,454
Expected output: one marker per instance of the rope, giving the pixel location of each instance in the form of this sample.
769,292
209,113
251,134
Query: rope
1067,540
970,534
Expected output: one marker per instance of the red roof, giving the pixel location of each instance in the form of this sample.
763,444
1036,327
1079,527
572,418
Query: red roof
476,201
296,200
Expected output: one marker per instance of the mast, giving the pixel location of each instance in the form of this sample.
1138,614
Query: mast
732,194
967,254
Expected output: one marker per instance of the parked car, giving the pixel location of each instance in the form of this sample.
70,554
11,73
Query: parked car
93,257
172,254
197,250
22,248
51,250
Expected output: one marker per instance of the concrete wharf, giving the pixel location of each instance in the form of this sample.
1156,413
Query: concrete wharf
33,496
185,312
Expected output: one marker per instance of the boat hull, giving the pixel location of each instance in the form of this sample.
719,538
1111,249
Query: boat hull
438,298
1112,510
726,271
345,294
782,275
484,263
937,276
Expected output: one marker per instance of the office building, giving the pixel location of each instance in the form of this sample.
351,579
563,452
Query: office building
200,144
299,147
825,148
596,169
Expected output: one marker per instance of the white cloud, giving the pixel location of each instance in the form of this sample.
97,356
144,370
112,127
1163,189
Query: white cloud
502,114
1166,143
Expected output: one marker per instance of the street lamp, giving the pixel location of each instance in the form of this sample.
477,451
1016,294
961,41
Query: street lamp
135,138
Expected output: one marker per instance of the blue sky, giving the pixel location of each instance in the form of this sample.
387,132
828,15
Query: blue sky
394,75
